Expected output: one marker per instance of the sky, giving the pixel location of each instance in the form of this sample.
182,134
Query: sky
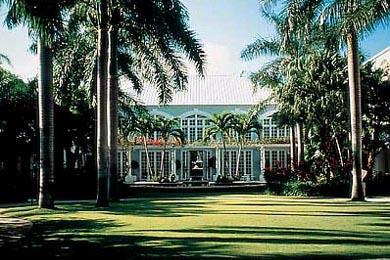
224,27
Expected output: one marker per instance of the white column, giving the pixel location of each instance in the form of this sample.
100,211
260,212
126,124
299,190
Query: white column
121,163
129,170
217,161
173,162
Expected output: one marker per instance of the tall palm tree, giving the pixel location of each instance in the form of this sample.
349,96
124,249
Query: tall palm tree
152,37
352,18
349,19
113,101
284,75
102,115
168,128
219,128
45,20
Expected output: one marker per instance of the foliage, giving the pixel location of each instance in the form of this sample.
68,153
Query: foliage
299,188
4,60
219,128
224,180
18,134
375,111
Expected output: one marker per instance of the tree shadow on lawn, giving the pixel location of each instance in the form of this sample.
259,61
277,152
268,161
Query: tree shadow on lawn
291,233
148,208
88,239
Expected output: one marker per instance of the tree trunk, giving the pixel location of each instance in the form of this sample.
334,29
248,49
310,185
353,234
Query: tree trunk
162,158
293,148
339,151
113,107
238,159
102,127
150,172
223,157
301,148
46,126
356,118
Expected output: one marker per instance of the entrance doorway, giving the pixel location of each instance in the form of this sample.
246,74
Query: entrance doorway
195,164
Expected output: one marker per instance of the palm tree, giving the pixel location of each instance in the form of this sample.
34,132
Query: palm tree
152,37
284,75
45,20
102,116
220,125
168,128
144,127
113,101
352,18
242,124
348,19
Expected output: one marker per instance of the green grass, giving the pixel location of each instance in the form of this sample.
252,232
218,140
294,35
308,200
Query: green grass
239,225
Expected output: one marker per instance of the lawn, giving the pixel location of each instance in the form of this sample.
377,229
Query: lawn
223,225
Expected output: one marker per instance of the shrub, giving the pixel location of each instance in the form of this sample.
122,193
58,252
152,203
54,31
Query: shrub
224,180
299,188
279,175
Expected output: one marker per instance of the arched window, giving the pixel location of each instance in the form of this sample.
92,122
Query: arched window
193,127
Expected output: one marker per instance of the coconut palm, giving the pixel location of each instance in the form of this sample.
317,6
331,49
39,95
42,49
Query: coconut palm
168,129
242,124
44,20
219,128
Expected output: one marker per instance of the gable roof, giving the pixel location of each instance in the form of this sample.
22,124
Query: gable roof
211,90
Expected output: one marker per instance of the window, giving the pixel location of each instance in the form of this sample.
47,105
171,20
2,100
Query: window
123,162
157,135
275,159
199,133
155,163
267,128
193,127
248,162
282,159
267,160
282,132
230,163
266,132
192,135
274,132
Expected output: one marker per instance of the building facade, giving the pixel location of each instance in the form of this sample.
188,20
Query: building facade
194,107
